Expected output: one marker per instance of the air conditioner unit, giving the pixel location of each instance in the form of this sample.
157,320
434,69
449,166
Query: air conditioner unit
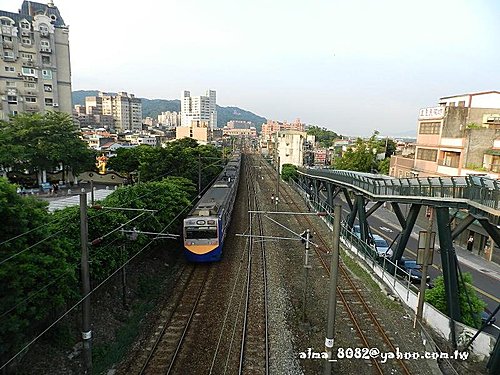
25,33
55,105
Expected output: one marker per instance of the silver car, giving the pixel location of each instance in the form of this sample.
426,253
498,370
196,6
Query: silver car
381,246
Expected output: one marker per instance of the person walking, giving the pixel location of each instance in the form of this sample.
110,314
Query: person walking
470,242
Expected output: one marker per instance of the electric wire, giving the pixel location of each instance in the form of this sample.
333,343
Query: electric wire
101,283
92,291
52,235
30,247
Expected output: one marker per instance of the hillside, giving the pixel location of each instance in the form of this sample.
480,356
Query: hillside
153,107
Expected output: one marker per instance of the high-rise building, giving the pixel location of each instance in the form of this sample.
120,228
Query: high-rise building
35,74
199,108
125,109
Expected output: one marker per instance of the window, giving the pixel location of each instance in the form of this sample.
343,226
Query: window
47,74
12,99
47,88
7,38
29,85
28,71
426,154
10,69
429,128
8,54
6,22
25,55
26,41
10,84
45,43
30,99
45,59
49,101
44,30
25,25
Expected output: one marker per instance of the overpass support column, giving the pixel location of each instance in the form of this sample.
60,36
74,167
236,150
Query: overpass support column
406,233
363,225
449,262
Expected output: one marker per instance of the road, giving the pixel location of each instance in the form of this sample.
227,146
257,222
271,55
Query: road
487,285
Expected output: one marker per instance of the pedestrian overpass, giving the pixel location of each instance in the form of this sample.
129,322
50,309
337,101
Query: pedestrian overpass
477,196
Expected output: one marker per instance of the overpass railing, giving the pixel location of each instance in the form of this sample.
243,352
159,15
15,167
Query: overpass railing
482,190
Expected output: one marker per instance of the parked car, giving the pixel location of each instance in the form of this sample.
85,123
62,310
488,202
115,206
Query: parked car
485,314
356,230
381,246
408,266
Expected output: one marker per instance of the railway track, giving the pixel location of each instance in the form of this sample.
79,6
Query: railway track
163,351
354,302
254,350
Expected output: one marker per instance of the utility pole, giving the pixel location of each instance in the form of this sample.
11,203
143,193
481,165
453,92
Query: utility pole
92,192
277,183
124,278
332,296
307,266
427,253
199,176
85,274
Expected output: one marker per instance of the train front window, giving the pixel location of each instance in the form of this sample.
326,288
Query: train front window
198,233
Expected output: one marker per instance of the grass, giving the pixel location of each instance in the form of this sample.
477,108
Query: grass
107,354
368,281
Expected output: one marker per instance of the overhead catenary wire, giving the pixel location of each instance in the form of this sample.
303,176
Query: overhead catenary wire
104,281
57,219
30,247
92,291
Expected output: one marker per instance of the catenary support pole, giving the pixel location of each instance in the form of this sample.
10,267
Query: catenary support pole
423,281
85,274
332,296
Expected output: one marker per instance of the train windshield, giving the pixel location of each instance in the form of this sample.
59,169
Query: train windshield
198,233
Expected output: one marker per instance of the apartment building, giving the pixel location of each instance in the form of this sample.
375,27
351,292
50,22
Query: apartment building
169,119
289,147
35,75
125,110
199,108
272,127
198,130
458,137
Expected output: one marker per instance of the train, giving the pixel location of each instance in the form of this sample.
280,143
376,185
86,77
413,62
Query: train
206,226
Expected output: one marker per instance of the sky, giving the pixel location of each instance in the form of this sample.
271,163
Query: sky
350,66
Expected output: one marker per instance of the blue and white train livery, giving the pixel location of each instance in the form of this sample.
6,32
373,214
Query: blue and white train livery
206,226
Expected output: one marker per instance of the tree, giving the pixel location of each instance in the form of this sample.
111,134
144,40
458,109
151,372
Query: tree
181,158
128,160
31,264
36,142
362,156
470,313
288,171
323,136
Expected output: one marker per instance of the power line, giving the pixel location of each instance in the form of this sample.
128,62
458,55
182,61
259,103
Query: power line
91,292
101,283
30,247
33,294
29,231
